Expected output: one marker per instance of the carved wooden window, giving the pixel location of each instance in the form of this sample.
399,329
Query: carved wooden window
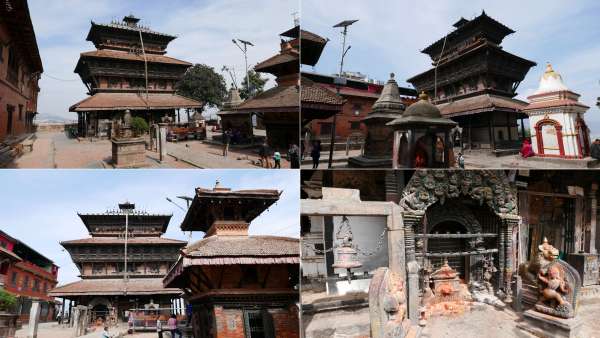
12,74
154,268
355,125
97,269
36,285
13,279
25,284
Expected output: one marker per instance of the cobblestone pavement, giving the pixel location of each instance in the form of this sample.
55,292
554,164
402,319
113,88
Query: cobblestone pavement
56,150
53,330
482,159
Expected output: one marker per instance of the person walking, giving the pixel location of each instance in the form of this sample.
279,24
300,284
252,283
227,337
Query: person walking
159,328
315,153
226,141
265,153
172,326
461,161
595,149
277,159
294,156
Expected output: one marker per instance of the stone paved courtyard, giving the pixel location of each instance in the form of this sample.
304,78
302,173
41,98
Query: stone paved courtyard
473,160
53,330
56,150
482,321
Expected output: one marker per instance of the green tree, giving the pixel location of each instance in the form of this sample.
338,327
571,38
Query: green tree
7,300
202,83
139,125
257,83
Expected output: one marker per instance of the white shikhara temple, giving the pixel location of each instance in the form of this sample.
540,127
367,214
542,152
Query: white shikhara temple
556,119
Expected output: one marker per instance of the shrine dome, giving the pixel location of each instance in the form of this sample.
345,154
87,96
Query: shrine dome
550,82
422,112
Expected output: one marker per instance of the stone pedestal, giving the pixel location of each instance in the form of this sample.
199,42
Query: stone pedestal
8,324
34,318
543,325
128,152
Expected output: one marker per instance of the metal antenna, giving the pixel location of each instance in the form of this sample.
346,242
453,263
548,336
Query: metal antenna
245,51
339,81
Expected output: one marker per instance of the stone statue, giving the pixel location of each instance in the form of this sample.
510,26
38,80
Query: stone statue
558,282
387,305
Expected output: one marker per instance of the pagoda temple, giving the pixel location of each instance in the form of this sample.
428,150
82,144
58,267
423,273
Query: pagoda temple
556,119
128,71
239,285
111,285
474,82
278,107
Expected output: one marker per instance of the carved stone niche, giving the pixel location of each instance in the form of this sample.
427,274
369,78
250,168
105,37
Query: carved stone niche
388,307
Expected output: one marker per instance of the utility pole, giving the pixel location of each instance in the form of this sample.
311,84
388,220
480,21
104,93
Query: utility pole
126,208
245,51
339,81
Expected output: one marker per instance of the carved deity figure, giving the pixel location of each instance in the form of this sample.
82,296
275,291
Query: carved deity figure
557,282
555,286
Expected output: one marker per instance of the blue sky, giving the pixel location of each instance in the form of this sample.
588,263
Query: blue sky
390,34
40,207
204,29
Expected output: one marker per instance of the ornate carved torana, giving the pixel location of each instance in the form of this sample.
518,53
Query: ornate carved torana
488,187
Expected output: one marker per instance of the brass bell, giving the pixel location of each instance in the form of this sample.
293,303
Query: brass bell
347,256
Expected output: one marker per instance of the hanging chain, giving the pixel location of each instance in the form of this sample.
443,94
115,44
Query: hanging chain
377,248
346,226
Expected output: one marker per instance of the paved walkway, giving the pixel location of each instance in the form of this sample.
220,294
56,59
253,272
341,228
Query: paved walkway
56,150
53,330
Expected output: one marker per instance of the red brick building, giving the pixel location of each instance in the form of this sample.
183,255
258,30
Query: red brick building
359,97
238,285
30,278
20,70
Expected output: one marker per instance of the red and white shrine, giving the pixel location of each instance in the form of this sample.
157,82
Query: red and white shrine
556,119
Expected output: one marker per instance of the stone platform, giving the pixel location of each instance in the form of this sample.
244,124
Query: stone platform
128,152
367,162
546,326
583,163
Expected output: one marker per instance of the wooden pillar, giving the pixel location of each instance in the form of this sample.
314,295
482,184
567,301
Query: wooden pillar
395,149
470,131
508,126
491,131
62,315
593,217
522,128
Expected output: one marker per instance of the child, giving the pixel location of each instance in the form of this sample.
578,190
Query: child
277,158
105,333
461,161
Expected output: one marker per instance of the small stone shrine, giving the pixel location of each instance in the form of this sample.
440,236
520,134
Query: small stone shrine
128,149
378,144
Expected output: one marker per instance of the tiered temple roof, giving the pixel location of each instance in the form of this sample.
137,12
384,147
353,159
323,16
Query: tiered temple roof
225,216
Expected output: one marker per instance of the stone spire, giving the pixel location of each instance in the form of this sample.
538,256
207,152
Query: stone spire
233,99
389,102
551,81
